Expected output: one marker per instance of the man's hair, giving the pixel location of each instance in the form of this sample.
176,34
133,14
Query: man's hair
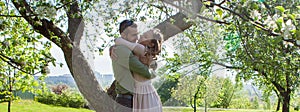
125,24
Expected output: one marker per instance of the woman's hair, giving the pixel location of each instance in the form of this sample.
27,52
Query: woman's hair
157,35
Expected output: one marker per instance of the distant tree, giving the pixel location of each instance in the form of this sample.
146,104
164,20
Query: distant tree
226,94
255,103
190,89
165,89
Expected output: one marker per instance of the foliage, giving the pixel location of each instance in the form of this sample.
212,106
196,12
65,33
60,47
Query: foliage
22,55
241,100
190,89
226,93
5,96
255,103
66,99
195,54
266,51
164,91
214,91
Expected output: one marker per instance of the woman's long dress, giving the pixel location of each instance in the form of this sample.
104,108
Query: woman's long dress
145,98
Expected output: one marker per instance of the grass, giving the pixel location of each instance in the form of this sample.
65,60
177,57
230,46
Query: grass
33,106
189,109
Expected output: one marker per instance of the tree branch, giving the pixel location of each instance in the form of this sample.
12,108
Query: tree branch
14,15
42,26
263,73
227,66
15,64
246,18
222,2
292,41
75,22
194,13
68,3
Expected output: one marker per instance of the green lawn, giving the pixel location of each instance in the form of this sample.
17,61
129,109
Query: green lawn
32,106
189,109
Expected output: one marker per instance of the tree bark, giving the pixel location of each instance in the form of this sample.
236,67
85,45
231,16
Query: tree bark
278,105
169,29
278,100
195,104
11,94
286,101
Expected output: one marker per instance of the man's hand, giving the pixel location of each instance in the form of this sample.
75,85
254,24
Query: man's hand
112,53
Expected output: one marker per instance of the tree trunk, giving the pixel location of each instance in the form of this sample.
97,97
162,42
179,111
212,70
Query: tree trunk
10,91
8,106
278,104
11,95
286,101
278,100
195,106
87,83
205,104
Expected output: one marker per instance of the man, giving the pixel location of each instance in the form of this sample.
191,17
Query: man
124,65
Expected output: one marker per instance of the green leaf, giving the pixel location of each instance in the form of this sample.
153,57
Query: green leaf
35,83
279,21
219,12
254,6
280,8
61,64
292,16
298,7
207,3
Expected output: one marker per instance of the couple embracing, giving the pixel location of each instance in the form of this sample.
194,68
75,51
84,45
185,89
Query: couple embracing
133,62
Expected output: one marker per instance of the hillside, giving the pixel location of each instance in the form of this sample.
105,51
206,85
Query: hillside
104,80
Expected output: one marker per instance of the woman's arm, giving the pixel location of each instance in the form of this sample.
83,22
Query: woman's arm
137,48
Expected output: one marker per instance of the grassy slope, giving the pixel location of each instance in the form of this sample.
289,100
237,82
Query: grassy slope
32,106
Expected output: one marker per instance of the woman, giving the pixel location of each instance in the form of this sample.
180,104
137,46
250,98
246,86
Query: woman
145,98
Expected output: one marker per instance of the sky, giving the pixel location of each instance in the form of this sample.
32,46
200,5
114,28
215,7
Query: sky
102,63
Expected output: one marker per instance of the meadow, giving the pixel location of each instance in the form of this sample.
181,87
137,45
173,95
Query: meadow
33,106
